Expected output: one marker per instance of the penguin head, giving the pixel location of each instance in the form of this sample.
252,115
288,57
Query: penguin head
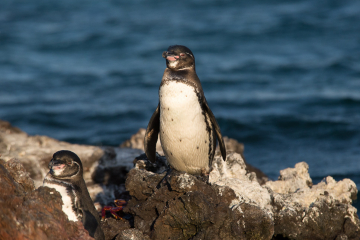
179,58
65,165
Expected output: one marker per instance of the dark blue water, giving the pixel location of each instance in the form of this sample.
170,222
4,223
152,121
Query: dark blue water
282,77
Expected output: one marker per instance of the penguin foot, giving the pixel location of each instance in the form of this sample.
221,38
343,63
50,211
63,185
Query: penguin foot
119,203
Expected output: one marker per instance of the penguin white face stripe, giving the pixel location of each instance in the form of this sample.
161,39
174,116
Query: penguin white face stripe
184,68
50,179
189,54
77,171
173,64
58,170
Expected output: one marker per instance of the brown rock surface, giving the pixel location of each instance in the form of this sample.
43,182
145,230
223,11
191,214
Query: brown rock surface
35,152
132,234
234,202
105,168
27,213
235,206
306,211
137,141
184,207
112,227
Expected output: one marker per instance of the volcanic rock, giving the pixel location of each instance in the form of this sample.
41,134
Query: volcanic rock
132,234
27,213
231,204
35,152
105,168
184,206
306,211
137,141
112,227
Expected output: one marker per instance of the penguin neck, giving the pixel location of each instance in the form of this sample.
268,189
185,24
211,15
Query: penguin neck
188,76
75,182
178,74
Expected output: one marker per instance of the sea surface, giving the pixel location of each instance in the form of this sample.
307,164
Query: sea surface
282,77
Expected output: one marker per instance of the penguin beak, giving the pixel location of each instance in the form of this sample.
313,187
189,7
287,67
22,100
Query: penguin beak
55,165
169,56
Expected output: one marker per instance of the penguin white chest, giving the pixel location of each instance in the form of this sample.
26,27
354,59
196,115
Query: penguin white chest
67,203
185,130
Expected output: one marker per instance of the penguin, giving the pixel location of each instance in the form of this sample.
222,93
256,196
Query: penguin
188,128
66,176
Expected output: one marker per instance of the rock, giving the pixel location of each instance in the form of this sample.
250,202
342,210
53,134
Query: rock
234,202
233,173
27,213
292,179
19,174
184,207
159,166
132,234
105,168
233,205
114,165
137,141
112,227
35,152
304,211
108,174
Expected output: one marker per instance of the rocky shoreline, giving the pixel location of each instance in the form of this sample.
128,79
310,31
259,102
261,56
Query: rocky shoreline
236,201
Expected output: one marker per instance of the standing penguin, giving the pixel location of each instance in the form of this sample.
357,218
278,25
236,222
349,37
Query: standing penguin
66,176
188,128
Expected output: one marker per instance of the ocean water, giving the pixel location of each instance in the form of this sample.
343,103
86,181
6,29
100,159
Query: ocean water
282,77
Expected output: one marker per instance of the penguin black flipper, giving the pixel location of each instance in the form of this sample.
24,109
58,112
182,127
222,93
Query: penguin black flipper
216,127
90,218
92,225
151,135
87,218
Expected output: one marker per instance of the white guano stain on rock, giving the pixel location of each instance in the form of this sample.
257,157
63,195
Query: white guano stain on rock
232,173
292,196
185,181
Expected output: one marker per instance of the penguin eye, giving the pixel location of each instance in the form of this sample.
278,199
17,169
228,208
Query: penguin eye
69,162
182,54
